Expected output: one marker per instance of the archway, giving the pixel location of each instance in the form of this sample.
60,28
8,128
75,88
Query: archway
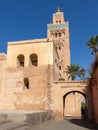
33,60
72,103
20,60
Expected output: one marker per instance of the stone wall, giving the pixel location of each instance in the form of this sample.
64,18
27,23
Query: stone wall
2,76
63,88
94,90
17,96
40,47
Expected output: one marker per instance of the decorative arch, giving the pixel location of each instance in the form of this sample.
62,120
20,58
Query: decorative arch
59,34
20,60
55,34
33,60
63,33
52,34
59,21
74,91
73,101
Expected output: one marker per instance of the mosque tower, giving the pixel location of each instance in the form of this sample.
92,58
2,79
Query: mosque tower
58,31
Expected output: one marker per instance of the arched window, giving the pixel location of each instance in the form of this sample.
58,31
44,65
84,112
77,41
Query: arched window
63,33
20,60
59,48
55,34
59,21
52,34
59,67
26,83
59,34
33,60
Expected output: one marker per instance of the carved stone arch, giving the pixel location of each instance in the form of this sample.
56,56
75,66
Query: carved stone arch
60,34
73,100
33,60
56,34
56,21
57,31
63,33
20,60
74,92
59,21
52,33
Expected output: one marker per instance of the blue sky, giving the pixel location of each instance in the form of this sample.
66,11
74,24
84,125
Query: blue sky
28,19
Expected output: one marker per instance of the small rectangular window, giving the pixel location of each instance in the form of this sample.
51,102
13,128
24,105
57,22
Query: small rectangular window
59,48
55,60
60,67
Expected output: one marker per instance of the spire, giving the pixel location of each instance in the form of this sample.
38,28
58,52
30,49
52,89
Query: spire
58,10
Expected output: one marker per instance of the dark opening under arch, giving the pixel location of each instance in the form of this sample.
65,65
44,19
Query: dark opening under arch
33,60
26,83
20,60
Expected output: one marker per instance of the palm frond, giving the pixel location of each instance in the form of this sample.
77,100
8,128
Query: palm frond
93,42
72,71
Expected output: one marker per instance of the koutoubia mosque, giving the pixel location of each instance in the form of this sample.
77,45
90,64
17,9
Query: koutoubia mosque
32,74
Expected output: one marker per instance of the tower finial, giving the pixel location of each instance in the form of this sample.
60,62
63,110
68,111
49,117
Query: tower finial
58,10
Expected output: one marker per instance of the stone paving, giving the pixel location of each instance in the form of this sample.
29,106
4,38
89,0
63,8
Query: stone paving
13,125
72,124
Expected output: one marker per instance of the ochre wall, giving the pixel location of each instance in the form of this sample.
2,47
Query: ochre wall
40,47
2,76
17,96
95,95
62,88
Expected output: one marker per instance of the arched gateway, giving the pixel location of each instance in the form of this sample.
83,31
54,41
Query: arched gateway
72,103
70,95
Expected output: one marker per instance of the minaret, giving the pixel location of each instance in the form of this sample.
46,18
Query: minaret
58,31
